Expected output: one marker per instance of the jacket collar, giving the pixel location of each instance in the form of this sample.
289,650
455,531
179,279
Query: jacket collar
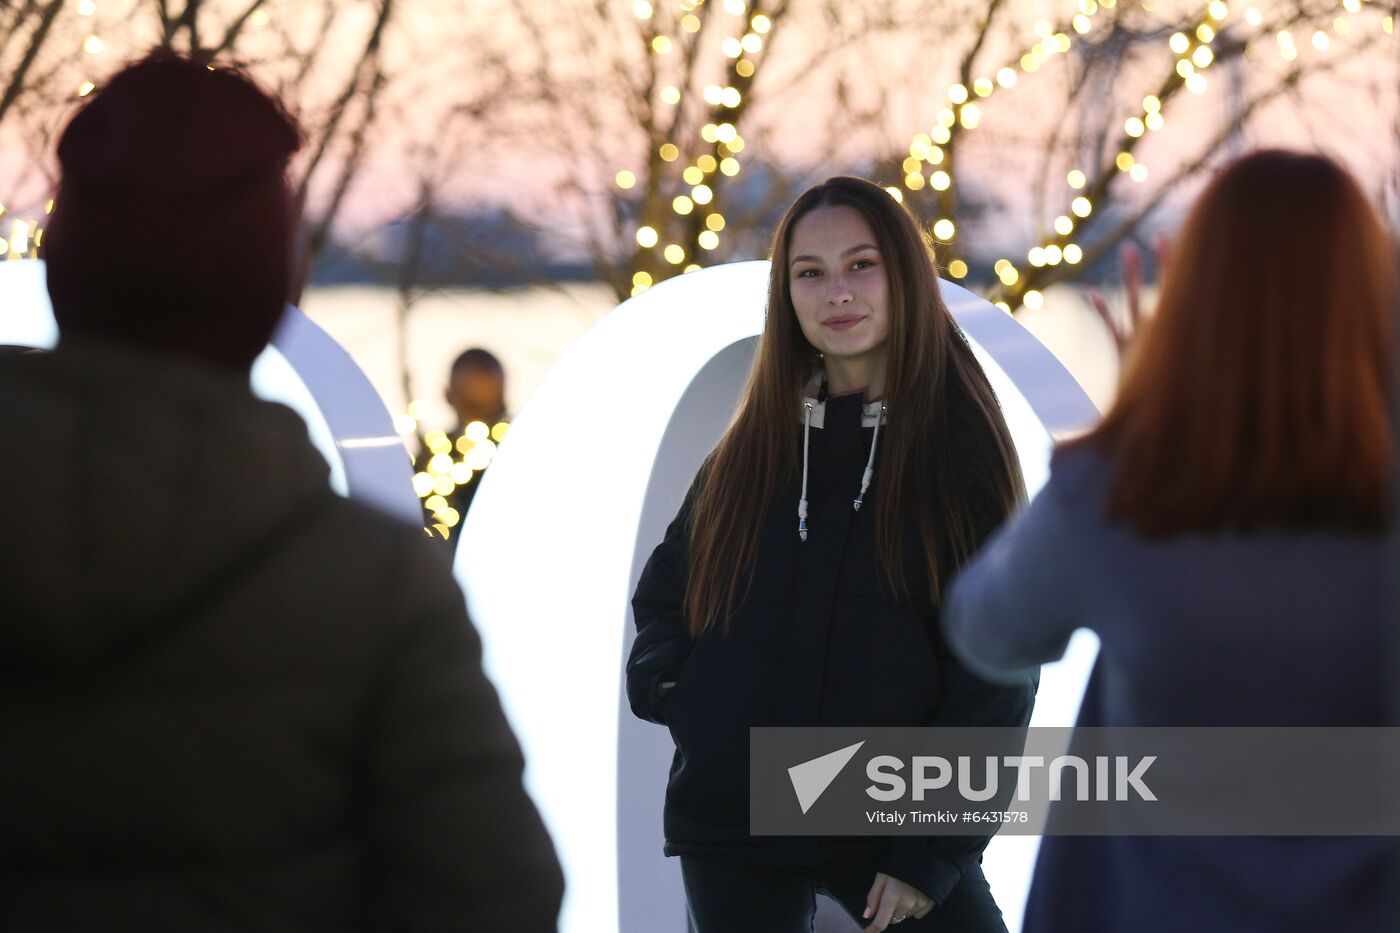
814,393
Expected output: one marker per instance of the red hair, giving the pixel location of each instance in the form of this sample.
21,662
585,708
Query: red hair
1258,396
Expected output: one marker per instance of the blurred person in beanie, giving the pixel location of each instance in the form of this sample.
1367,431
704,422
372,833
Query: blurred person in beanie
231,699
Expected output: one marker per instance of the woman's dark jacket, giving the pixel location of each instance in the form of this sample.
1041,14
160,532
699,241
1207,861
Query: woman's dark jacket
818,640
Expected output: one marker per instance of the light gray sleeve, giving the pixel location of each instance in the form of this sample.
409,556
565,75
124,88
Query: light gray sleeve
1016,604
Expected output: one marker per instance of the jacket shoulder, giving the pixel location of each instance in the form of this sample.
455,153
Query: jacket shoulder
1080,474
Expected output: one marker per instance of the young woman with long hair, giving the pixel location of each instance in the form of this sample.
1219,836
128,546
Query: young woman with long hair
1221,532
800,583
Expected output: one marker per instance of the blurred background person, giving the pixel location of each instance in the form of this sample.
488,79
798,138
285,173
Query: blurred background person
776,599
1222,531
232,699
450,464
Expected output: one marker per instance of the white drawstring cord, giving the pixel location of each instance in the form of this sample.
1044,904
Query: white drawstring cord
802,503
870,463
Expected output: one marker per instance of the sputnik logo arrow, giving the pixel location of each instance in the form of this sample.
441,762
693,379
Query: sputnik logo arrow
811,778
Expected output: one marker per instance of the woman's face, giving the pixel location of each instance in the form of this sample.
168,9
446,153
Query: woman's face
839,288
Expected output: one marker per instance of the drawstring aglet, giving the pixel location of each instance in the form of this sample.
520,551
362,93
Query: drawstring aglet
870,462
802,500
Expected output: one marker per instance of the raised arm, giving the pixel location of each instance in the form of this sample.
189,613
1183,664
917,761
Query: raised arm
1014,606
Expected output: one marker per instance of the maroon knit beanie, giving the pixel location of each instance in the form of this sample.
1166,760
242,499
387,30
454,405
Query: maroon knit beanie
172,228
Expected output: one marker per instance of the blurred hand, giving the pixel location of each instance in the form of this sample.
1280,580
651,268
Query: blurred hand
891,900
1123,331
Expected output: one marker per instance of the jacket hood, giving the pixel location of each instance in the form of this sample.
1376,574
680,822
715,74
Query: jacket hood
131,484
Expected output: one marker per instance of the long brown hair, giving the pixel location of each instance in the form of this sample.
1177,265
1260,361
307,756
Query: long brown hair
931,378
1258,396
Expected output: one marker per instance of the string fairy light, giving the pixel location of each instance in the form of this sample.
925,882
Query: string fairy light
929,162
959,112
697,207
1194,55
449,464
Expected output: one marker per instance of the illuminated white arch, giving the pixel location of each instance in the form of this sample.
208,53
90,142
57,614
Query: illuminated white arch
595,467
304,369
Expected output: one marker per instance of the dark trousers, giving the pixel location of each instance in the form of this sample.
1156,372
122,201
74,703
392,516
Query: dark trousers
730,896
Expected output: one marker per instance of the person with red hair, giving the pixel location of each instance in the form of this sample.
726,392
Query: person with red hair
1222,531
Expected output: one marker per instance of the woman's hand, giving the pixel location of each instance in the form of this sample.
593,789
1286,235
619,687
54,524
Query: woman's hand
891,900
1123,331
